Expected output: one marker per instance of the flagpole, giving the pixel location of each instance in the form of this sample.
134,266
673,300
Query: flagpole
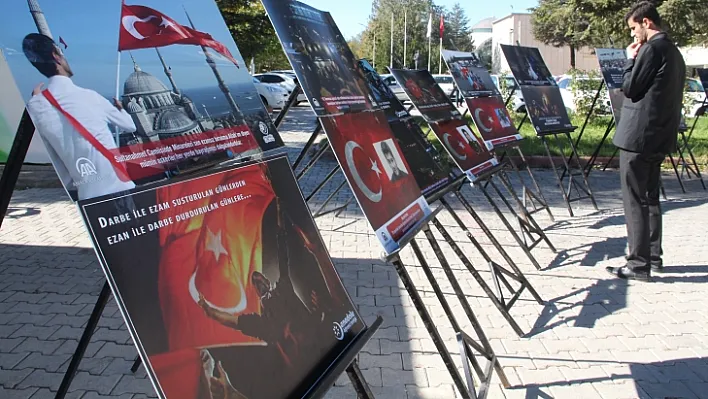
430,39
440,61
391,63
405,37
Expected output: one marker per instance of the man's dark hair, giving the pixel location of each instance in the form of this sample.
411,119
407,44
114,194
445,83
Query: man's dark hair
641,10
39,50
385,149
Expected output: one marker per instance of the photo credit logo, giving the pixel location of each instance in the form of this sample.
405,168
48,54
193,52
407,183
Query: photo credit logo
341,328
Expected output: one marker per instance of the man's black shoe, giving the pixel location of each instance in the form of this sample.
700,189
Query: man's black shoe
629,274
657,268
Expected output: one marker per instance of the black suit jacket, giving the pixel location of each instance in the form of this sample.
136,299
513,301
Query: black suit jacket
653,85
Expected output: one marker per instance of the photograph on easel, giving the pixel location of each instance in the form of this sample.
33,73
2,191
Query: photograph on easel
425,93
493,121
527,66
382,93
156,90
378,173
465,149
546,108
612,62
471,77
234,294
325,66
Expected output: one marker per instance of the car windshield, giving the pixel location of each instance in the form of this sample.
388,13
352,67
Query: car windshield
694,86
443,79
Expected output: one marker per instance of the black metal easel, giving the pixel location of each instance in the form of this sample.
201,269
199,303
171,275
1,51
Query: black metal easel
690,166
320,211
481,346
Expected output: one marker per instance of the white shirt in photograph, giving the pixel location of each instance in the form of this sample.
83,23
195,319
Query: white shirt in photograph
78,163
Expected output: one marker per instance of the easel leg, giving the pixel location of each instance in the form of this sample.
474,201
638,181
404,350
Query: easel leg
558,177
509,227
136,364
359,382
678,175
697,168
308,145
587,188
430,326
84,341
538,194
458,292
596,153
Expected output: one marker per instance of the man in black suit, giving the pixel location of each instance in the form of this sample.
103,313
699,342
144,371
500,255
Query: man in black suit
653,83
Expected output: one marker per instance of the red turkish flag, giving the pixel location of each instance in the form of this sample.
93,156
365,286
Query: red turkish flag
492,119
213,254
143,27
459,141
373,163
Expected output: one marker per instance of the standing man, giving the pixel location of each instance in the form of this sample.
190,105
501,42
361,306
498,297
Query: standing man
79,162
653,83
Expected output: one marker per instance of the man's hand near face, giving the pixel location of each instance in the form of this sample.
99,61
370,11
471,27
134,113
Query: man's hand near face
633,49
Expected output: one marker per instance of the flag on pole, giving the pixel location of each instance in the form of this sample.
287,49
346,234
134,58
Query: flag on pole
442,26
430,26
61,41
143,27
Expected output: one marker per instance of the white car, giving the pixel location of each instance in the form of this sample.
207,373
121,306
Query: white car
565,84
446,83
517,101
695,92
272,96
395,87
284,80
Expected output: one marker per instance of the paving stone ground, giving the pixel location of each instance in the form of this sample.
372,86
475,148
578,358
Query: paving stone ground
595,337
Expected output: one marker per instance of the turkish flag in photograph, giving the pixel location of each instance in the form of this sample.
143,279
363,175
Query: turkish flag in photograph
459,141
373,163
142,27
491,117
213,254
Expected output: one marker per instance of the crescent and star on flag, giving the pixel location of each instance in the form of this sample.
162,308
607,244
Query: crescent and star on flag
446,139
368,192
480,120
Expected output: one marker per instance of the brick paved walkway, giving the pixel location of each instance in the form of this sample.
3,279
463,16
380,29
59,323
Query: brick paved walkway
595,337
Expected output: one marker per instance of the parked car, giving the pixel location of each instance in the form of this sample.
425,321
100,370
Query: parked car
284,80
565,84
695,92
395,87
273,96
517,101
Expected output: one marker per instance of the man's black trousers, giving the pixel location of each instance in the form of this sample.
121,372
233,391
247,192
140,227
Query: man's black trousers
641,184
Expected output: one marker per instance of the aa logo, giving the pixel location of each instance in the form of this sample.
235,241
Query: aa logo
85,167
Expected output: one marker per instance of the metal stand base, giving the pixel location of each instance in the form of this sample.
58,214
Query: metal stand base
688,166
583,189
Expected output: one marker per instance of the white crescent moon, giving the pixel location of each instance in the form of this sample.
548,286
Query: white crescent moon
479,121
129,25
240,306
348,153
446,137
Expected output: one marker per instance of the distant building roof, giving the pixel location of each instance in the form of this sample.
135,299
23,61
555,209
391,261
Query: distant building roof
483,24
512,15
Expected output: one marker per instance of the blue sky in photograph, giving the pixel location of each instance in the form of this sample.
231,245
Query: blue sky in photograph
350,18
90,28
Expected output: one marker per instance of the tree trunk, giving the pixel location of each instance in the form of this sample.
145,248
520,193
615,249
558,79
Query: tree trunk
572,57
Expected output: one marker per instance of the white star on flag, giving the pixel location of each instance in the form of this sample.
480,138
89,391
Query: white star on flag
461,145
214,245
375,167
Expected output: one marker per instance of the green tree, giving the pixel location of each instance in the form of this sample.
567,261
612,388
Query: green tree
560,23
457,30
600,23
254,34
484,52
378,33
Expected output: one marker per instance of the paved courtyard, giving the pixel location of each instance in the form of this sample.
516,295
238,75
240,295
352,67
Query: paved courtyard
594,338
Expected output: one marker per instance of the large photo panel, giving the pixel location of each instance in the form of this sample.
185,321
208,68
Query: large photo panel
465,149
546,109
318,52
527,66
233,294
425,93
378,173
493,121
123,94
703,76
12,106
471,77
612,62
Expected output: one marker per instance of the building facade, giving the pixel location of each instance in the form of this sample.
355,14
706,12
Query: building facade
516,29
